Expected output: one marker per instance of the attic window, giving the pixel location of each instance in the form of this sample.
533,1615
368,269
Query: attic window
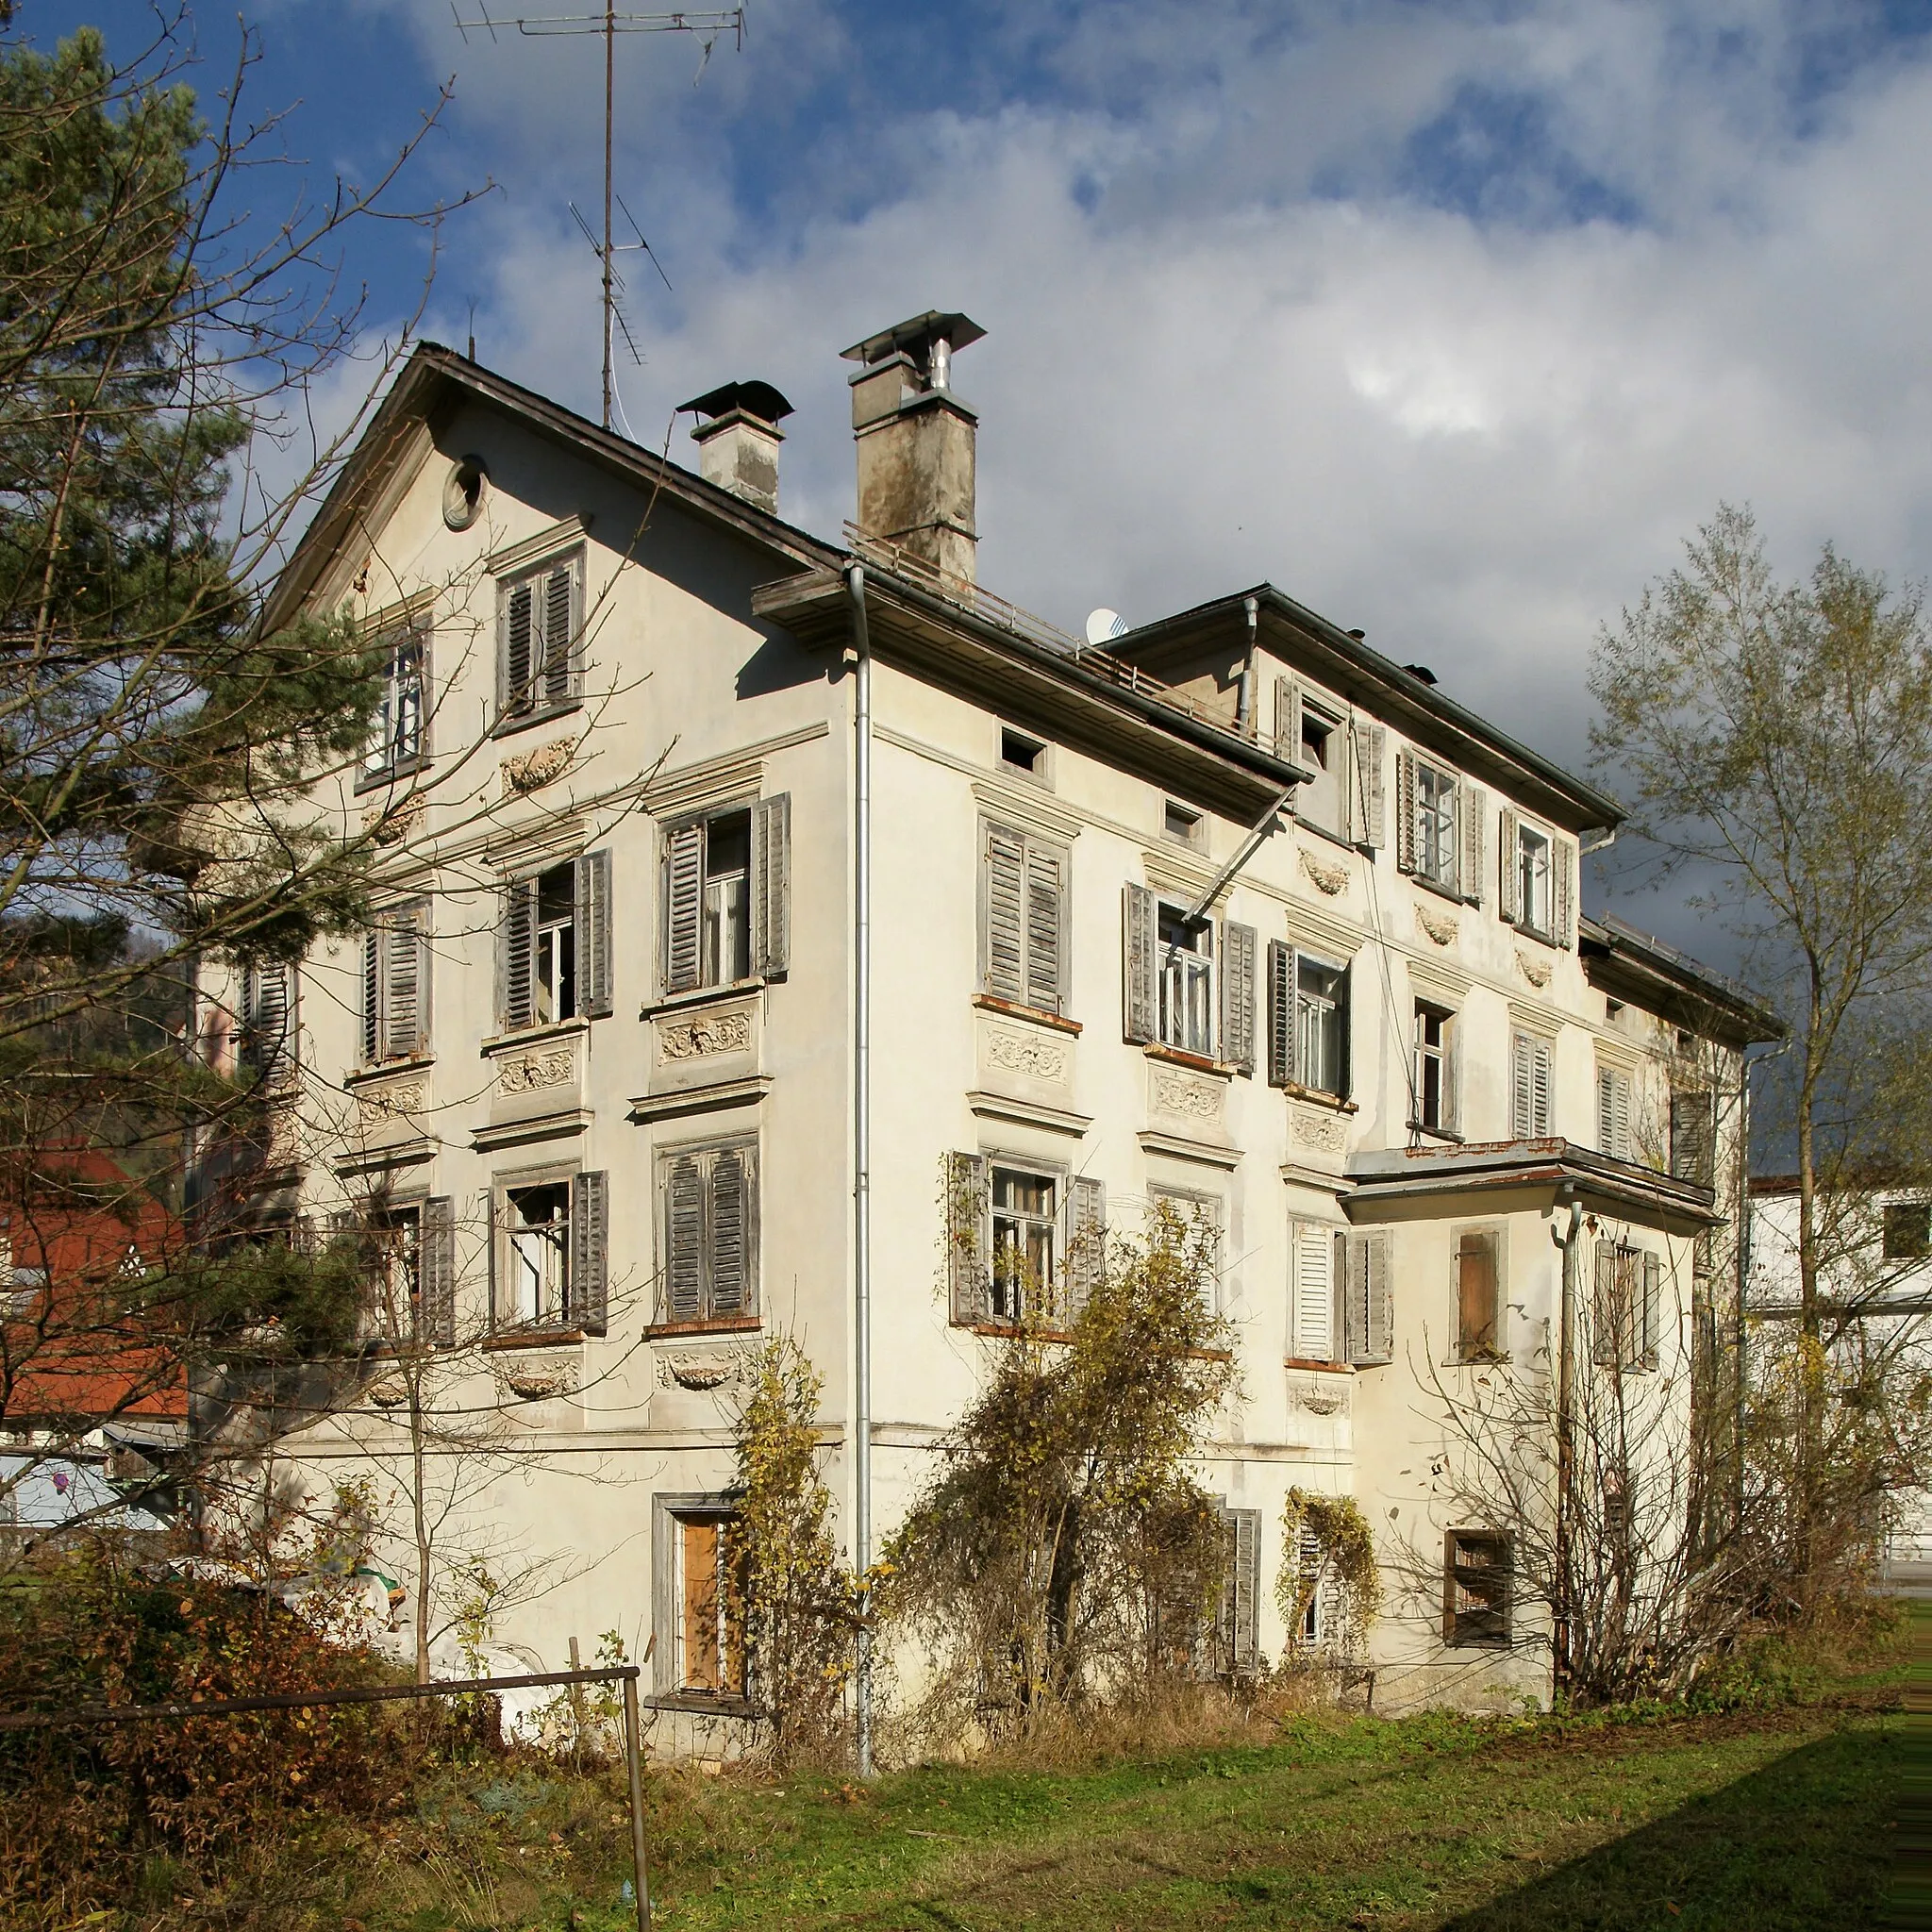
462,494
1178,821
1019,753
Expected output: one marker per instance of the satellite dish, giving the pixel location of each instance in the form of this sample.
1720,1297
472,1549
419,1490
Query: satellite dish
1103,625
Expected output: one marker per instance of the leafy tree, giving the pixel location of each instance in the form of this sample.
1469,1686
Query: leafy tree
158,740
1778,737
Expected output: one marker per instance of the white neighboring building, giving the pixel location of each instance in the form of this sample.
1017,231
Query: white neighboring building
593,1076
1884,1286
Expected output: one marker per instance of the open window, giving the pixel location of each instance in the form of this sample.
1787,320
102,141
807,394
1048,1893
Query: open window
1176,991
554,948
398,732
1025,1241
409,1258
551,1254
1187,983
1476,1586
1435,1068
1906,1230
1537,879
1626,1309
727,896
1307,1022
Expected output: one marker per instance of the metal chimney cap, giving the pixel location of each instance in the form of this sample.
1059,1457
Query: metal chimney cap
757,399
916,336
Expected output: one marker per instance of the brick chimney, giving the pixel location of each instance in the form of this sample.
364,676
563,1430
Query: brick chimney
738,438
916,441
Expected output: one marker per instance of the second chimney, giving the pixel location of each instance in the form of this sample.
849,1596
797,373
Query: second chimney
738,440
916,455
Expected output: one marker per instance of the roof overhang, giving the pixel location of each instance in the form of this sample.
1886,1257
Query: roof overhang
1348,667
944,638
436,381
1546,1170
1644,972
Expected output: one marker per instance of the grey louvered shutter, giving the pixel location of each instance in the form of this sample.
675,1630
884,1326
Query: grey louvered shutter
1283,1069
593,934
1405,809
515,662
1564,889
1355,1297
1006,915
684,1239
1694,1136
1607,1110
1605,1319
771,882
1368,808
1539,1089
1473,810
1650,1342
732,1232
1086,1240
559,642
590,1253
1140,966
402,991
436,1271
372,997
1521,1086
1379,1329
1238,944
1508,866
1046,915
267,1002
684,903
1288,719
517,954
968,1182
1241,1644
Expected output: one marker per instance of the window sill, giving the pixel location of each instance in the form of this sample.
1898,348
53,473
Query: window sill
1334,837
532,1338
525,721
717,1324
1536,933
701,996
407,767
1178,1056
1477,1643
1441,889
1302,1361
1015,1331
1320,1097
1448,1134
988,1003
388,1070
713,1703
529,1036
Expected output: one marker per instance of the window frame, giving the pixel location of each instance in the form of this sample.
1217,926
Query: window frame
1329,793
1036,766
584,1248
1530,837
671,1513
1051,1223
1494,1235
767,910
391,638
1339,1020
509,716
1197,960
1439,812
1463,1625
1035,856
1446,1125
1540,1046
707,1151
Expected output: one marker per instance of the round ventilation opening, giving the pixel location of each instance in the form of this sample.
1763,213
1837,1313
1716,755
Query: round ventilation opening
462,495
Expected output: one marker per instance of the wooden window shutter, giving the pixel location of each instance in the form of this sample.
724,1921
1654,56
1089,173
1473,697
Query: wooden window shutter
1563,891
1140,966
1086,1240
1281,1029
1238,945
1694,1136
1368,810
1539,1089
1605,1320
684,1239
590,1253
559,642
1452,1067
516,1003
517,659
268,1019
1312,1258
1288,719
1508,866
1473,815
372,997
968,1202
593,934
733,1233
1522,1094
684,900
1047,917
436,1271
402,984
1003,940
1239,1632
1650,1341
1405,809
770,884
1344,1024
1380,1330
1606,1111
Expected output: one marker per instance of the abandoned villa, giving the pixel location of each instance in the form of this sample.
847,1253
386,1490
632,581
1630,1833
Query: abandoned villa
781,935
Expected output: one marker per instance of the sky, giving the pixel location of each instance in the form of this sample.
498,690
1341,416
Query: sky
1452,318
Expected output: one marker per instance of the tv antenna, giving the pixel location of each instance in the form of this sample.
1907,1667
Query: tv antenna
709,28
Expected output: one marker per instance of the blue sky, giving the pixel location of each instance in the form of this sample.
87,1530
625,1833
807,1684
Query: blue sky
1452,317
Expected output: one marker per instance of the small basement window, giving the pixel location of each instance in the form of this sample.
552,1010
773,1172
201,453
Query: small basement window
1019,753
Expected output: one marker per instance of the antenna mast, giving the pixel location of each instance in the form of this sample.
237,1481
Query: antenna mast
709,27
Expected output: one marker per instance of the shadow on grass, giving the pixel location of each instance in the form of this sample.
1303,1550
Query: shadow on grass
1805,1842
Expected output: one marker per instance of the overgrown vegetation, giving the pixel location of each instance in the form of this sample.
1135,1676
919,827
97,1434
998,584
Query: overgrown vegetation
1328,1562
1065,1554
